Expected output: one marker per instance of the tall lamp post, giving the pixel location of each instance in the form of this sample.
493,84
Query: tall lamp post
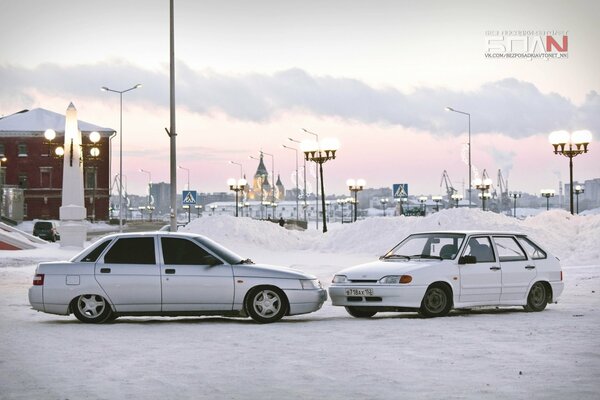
437,200
457,198
236,186
563,143
149,187
320,153
188,175
356,186
468,145
547,193
515,196
239,165
120,92
304,181
578,190
272,175
316,176
483,185
297,190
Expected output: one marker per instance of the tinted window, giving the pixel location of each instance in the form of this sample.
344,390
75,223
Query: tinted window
534,252
509,249
184,252
43,226
131,251
93,255
481,249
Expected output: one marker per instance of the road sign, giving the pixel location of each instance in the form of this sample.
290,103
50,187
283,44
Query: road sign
400,190
189,197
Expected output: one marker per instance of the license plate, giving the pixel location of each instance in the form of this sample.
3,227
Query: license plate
359,292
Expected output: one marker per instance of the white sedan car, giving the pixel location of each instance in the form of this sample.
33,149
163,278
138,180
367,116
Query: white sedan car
170,274
437,271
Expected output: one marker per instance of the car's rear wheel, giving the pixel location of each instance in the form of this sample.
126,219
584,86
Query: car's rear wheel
537,298
361,312
436,302
266,304
92,308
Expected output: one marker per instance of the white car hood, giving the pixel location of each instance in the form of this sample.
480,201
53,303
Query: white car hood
269,271
378,269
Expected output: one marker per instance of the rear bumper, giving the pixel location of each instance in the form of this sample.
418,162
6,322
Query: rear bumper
36,298
383,296
557,289
305,301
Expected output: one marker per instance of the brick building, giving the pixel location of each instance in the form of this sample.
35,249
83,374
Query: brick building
32,164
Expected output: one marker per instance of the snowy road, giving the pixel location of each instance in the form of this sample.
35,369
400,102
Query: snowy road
505,354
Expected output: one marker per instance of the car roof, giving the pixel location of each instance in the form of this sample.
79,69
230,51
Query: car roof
152,233
475,232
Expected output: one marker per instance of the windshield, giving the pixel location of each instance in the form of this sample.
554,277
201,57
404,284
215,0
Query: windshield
441,246
225,254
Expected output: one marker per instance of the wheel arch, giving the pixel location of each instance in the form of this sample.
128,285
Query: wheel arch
547,286
83,293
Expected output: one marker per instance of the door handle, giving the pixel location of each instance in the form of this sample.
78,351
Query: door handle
170,271
105,270
495,268
530,267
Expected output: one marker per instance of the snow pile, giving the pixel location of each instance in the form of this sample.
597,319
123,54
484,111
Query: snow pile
570,237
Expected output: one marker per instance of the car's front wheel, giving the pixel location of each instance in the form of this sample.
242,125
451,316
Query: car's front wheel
266,304
537,298
437,302
92,308
361,312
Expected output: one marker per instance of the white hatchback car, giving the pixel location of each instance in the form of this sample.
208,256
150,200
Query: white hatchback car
436,271
169,274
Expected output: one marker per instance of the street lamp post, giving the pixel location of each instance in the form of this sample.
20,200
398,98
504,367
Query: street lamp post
563,143
316,177
236,186
578,190
198,209
272,175
456,197
437,200
468,145
120,92
515,196
483,185
355,186
304,182
149,187
188,176
547,193
3,159
422,200
297,190
239,165
320,153
384,202
213,207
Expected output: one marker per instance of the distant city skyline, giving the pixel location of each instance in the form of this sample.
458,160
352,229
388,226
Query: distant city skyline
377,76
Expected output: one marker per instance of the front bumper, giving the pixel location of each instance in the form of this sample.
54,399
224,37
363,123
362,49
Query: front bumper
409,296
305,301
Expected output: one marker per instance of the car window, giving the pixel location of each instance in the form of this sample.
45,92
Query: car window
93,255
509,249
423,245
131,251
43,225
534,252
481,249
177,251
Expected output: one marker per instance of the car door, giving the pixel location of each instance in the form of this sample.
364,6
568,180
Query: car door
130,276
193,279
517,270
481,282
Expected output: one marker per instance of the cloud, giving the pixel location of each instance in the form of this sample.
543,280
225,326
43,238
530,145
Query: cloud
511,107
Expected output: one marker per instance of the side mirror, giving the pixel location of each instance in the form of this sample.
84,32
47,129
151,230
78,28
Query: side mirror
467,260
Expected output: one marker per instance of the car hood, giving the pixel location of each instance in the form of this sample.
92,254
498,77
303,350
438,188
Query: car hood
378,269
269,271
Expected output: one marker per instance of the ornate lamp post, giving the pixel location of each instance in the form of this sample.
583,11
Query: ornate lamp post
570,145
437,200
422,200
547,193
320,153
457,197
384,202
483,185
355,186
236,186
578,190
515,196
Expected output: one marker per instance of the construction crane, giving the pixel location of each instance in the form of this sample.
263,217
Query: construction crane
449,188
503,199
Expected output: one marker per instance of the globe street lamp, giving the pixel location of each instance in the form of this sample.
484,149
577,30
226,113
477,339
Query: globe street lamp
468,144
120,92
570,145
355,186
236,186
484,196
437,200
456,197
320,153
422,200
547,193
384,202
578,190
515,196
483,185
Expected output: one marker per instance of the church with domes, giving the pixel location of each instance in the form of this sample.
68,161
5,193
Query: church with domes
260,189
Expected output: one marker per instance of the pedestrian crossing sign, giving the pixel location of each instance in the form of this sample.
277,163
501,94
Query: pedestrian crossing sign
400,190
189,197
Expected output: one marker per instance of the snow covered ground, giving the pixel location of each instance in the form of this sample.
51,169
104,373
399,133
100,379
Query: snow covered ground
505,353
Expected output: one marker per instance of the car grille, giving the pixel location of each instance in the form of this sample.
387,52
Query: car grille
359,299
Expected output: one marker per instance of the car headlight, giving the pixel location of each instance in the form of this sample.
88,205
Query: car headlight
310,284
396,279
339,279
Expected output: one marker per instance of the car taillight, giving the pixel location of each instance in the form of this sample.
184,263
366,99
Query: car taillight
38,280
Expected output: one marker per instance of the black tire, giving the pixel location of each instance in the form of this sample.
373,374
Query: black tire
537,299
436,302
92,309
361,312
266,304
